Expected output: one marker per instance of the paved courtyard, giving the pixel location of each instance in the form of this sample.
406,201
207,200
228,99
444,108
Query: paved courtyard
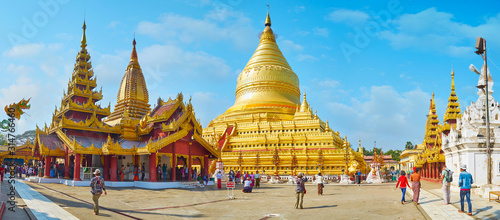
268,202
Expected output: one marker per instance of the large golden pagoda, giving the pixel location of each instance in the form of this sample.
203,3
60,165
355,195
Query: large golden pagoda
269,129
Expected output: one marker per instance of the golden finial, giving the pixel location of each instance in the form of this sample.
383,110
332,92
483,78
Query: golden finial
268,19
452,79
84,39
133,55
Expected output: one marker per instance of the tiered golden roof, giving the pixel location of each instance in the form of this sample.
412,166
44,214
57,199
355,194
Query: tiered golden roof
268,128
133,95
81,96
431,146
452,110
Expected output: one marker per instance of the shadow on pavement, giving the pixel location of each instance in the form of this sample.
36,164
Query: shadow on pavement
320,207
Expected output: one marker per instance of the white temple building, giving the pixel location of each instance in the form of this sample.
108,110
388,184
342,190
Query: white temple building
467,143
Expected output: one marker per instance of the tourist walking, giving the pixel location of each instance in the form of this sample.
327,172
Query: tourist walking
164,169
300,191
122,171
143,171
96,188
2,170
136,173
257,179
238,177
319,180
464,182
447,176
219,180
402,183
415,184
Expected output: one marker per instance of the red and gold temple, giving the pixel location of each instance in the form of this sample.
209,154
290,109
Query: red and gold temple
84,134
431,159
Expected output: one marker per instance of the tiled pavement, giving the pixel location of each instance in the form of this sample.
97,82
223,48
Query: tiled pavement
39,205
432,205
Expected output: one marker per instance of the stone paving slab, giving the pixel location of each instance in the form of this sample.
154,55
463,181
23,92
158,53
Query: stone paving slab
432,205
39,205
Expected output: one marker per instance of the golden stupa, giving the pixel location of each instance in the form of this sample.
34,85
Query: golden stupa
268,128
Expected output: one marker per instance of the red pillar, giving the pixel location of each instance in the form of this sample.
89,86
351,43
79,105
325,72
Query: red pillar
190,172
66,166
47,167
114,163
152,167
205,166
105,171
77,167
174,164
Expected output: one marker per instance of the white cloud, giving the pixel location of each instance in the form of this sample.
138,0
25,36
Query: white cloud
24,51
321,32
203,104
220,24
19,69
432,30
299,8
306,57
329,83
385,115
289,46
178,62
351,17
113,24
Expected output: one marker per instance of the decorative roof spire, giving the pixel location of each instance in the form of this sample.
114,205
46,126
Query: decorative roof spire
268,19
304,106
453,108
133,55
84,39
452,80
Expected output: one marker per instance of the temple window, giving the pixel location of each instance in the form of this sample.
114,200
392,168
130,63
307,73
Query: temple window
496,117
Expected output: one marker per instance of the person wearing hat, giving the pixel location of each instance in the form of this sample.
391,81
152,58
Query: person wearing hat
464,182
300,190
96,188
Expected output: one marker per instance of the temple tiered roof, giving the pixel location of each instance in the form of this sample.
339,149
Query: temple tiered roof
452,110
132,95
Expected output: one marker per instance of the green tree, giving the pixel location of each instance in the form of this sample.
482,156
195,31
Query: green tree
409,145
394,154
3,139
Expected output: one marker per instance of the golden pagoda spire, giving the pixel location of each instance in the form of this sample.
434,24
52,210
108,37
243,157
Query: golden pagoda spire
304,106
133,94
267,83
133,55
268,19
453,108
84,39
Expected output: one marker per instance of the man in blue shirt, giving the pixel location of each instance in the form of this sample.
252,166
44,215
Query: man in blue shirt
465,181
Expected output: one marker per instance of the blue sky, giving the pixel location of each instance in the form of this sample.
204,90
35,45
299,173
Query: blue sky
368,67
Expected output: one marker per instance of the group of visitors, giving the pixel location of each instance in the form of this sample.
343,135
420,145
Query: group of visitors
403,183
464,182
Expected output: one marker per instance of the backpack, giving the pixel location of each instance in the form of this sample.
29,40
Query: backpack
449,176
